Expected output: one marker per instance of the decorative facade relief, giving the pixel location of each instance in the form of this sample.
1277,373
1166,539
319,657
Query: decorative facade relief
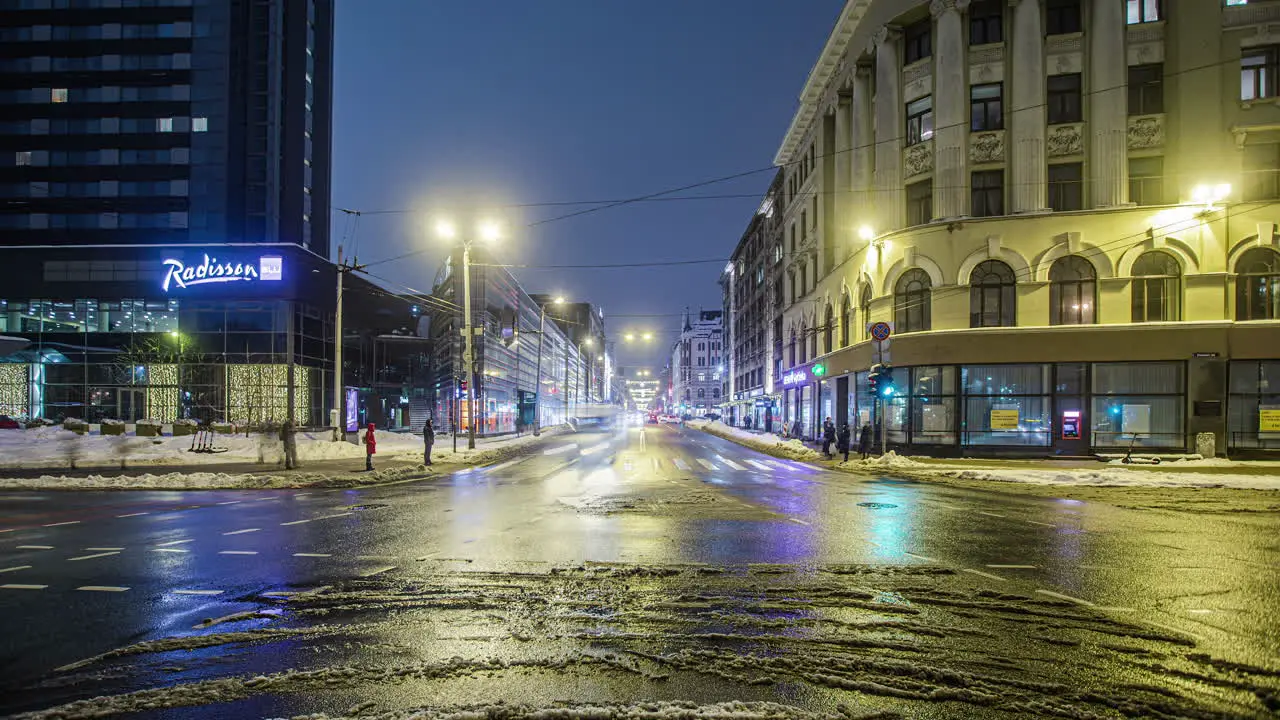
1146,131
1065,139
918,159
1252,14
986,147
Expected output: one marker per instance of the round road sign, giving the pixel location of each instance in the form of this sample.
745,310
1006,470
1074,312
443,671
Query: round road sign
880,331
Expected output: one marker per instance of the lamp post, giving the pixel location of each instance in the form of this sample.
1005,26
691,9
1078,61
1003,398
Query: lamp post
537,375
584,371
178,366
488,231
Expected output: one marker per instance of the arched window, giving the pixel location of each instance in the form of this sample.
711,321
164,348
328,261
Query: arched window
846,319
993,295
804,343
864,305
911,301
1157,288
1258,285
829,331
1073,291
793,350
715,393
701,393
813,344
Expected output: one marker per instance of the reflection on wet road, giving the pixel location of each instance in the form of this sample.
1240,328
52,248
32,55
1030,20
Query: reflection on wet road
661,563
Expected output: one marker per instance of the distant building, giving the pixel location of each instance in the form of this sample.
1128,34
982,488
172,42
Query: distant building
696,367
583,324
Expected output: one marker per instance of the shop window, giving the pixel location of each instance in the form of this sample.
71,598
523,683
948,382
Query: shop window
987,193
992,295
986,107
933,405
986,22
1138,403
1261,172
1064,105
1142,11
1006,405
1157,288
1066,187
1146,89
1258,70
1146,181
920,202
1255,394
916,42
1258,285
1073,291
911,301
1062,17
919,120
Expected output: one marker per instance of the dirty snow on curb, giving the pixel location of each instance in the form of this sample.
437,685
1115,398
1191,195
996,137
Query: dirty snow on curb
1109,475
764,442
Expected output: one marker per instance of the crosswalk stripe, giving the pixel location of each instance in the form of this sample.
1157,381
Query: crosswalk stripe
706,464
657,464
758,465
681,464
732,465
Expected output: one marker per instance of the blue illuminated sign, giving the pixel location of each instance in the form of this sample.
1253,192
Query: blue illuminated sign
178,275
795,377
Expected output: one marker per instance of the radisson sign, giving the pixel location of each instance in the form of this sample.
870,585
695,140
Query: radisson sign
180,276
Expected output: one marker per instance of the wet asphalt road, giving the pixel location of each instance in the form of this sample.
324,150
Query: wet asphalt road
653,536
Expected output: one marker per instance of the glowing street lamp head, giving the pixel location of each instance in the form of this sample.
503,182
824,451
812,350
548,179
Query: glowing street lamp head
866,233
173,333
490,230
588,342
559,300
1210,194
629,337
647,336
446,229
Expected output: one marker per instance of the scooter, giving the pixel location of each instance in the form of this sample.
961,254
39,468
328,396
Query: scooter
202,442
1129,459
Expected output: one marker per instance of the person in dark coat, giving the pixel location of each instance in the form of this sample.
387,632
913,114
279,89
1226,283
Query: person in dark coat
864,440
842,441
828,437
288,437
370,447
428,439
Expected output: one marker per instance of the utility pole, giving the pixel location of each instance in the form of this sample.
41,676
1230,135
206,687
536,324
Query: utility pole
468,360
537,373
336,414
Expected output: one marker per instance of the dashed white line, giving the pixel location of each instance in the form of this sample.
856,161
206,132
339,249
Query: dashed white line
1013,567
170,550
798,521
102,588
15,568
990,514
296,522
34,547
983,574
1033,522
241,532
265,499
732,465
228,502
60,524
132,514
301,495
500,466
8,530
312,555
237,552
1068,598
197,592
561,449
657,464
95,555
280,593
1162,626
18,586
925,558
327,517
947,506
175,542
379,571
428,556
758,465
1197,611
103,549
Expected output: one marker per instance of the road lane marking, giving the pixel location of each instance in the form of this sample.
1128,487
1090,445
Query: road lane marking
237,552
34,547
15,568
103,549
428,556
1162,626
595,448
197,592
170,550
241,532
990,514
945,505
19,586
312,555
301,495
657,464
60,524
706,464
1033,522
296,522
379,571
228,502
1014,567
266,499
95,555
500,466
102,588
561,449
1068,598
175,542
758,465
681,464
732,465
798,520
8,530
132,514
983,574
925,558
1197,611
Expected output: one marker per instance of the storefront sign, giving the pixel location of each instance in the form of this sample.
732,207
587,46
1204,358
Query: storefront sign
795,377
178,275
1070,424
1004,419
1269,419
352,408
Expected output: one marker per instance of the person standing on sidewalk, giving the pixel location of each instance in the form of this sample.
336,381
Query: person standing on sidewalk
428,439
864,440
842,441
370,447
287,436
828,437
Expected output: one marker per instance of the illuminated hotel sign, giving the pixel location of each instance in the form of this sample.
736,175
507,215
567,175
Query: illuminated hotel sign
178,275
795,377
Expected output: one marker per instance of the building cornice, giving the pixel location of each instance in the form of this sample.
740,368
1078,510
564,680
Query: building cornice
819,77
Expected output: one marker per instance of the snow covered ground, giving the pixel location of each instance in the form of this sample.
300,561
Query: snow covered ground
764,442
1111,474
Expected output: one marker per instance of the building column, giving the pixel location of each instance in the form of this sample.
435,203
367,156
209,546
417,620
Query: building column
889,128
863,161
841,198
1028,172
1108,105
950,160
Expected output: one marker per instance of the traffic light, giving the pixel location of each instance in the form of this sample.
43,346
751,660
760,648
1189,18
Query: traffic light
873,382
880,380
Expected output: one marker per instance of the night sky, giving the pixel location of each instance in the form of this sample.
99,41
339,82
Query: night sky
464,105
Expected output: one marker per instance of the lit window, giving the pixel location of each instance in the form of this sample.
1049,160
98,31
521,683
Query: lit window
1258,71
920,120
1143,11
199,124
22,157
58,95
164,124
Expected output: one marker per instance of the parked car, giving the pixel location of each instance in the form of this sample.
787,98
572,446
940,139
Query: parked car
8,423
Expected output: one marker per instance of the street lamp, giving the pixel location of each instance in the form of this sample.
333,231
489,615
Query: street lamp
537,374
490,231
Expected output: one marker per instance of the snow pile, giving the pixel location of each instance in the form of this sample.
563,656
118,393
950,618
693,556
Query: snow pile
890,460
650,710
1107,477
764,442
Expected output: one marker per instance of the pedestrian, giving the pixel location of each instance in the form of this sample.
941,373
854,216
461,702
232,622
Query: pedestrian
370,447
428,439
864,440
828,437
290,441
842,441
